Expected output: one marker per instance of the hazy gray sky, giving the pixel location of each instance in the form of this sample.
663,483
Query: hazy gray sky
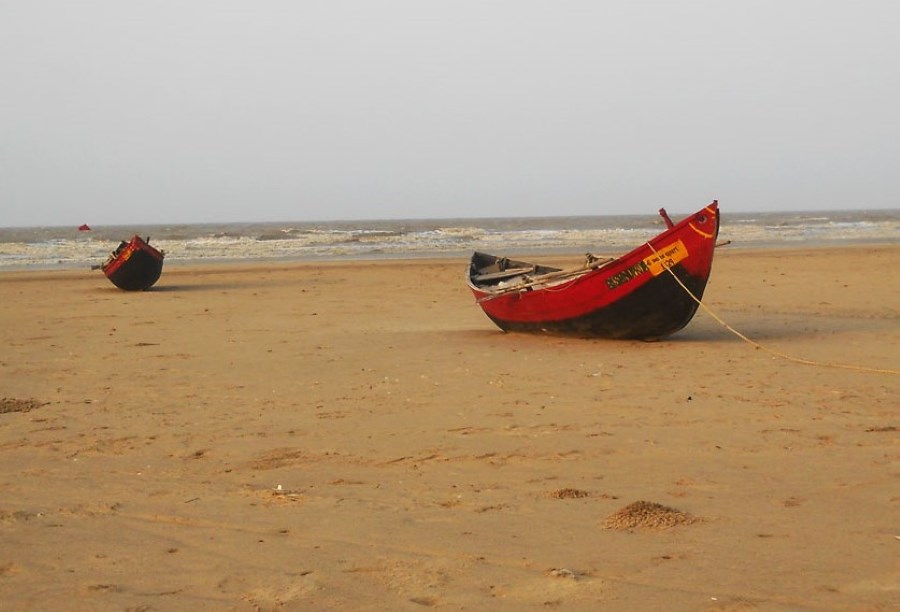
260,110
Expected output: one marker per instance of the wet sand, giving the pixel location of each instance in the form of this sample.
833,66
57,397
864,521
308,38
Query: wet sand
359,436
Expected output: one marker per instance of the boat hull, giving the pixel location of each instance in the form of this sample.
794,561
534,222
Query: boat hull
134,266
635,296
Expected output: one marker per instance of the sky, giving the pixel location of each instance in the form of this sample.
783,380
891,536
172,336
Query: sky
184,111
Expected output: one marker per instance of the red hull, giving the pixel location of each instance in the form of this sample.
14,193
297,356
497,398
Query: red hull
634,296
134,266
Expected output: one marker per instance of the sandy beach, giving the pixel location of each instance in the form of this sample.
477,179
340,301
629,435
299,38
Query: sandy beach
333,436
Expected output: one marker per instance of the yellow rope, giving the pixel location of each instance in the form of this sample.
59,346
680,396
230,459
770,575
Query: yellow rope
764,348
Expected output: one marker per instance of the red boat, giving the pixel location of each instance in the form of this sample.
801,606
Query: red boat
634,296
134,265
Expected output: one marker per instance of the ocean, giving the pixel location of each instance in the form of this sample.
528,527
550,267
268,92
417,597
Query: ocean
67,247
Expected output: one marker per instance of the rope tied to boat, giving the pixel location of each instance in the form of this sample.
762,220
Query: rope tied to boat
766,349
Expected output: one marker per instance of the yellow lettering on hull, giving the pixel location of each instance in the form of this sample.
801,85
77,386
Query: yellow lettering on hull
666,257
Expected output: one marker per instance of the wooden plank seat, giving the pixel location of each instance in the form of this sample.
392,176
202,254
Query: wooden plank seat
508,273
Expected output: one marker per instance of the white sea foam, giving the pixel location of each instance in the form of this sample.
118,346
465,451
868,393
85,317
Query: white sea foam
66,247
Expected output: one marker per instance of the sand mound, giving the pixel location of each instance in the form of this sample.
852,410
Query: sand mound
648,515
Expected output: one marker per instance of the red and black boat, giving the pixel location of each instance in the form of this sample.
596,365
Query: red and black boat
634,296
134,265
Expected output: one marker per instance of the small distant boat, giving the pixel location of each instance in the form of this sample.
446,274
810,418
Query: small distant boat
634,296
84,227
134,265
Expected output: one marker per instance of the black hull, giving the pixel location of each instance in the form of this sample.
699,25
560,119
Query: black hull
658,309
139,273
